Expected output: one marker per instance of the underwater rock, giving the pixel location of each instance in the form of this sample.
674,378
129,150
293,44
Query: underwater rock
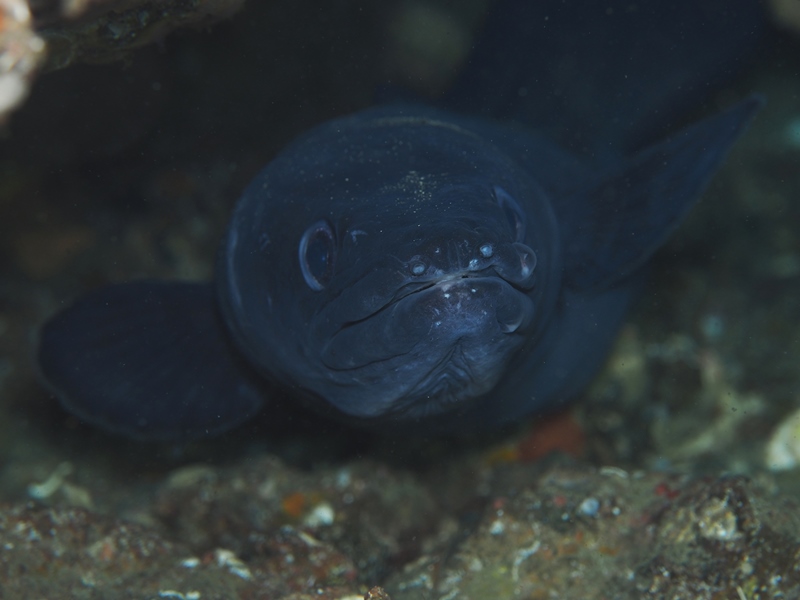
107,30
22,52
56,34
367,511
71,553
575,532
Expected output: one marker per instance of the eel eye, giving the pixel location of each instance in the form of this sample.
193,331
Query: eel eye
317,253
512,211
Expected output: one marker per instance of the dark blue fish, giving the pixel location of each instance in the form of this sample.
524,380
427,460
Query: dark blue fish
413,265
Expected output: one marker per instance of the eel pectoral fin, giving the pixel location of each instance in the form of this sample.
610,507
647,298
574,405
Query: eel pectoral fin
150,360
615,223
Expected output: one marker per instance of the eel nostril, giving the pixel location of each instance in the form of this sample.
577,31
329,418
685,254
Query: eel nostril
527,258
417,268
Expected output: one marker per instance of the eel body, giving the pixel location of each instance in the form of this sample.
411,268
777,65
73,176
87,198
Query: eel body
448,267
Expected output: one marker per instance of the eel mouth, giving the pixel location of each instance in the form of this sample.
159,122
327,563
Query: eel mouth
430,347
421,337
422,321
434,347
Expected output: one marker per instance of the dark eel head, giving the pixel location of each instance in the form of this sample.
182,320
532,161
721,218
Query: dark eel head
389,266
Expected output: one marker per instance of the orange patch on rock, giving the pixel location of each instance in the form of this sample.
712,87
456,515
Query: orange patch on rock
294,504
559,432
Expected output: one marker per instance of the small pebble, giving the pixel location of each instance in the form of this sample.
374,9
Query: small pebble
783,447
589,507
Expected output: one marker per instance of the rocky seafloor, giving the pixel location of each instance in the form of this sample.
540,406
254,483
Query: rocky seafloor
674,476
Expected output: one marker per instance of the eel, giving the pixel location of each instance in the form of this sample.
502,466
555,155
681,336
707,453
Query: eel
448,267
